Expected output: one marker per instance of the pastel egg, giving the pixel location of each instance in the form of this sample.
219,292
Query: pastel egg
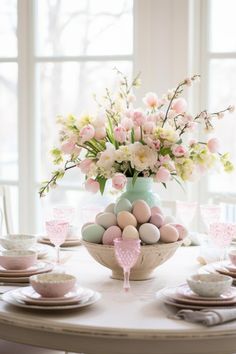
141,211
110,208
157,220
111,234
183,232
93,233
149,233
106,220
122,205
156,210
169,219
130,232
168,233
124,218
86,224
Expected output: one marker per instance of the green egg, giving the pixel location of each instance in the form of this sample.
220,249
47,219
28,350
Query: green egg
122,205
93,233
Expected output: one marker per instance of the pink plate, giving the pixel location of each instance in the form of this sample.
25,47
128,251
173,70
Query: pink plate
185,291
40,267
171,294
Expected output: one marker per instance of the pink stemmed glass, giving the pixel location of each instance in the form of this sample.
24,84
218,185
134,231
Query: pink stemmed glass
222,234
127,252
57,231
210,214
185,211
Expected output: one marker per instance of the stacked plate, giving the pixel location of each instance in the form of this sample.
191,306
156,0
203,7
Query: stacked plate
183,297
68,243
28,298
22,276
225,268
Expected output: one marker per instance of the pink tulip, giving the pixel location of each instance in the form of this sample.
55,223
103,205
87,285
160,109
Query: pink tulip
100,133
91,185
127,123
138,118
151,100
148,127
119,181
179,150
120,134
179,105
87,132
67,147
162,175
85,166
213,145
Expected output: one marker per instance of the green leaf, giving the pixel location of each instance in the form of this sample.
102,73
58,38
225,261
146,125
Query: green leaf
132,135
135,176
102,182
164,184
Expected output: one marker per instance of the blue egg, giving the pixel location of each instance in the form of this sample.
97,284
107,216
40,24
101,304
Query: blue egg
93,233
122,205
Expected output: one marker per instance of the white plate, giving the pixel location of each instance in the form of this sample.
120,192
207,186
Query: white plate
42,250
185,291
40,267
9,297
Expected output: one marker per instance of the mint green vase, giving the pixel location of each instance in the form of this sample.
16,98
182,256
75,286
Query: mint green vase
142,189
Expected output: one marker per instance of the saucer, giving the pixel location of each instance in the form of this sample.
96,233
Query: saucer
12,297
40,267
186,292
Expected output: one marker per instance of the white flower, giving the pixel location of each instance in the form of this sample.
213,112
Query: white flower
142,157
123,153
107,157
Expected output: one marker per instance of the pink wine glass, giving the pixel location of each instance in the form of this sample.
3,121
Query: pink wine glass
222,234
185,211
127,252
210,214
57,231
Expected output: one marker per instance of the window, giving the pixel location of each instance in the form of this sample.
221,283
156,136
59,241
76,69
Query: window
219,62
67,49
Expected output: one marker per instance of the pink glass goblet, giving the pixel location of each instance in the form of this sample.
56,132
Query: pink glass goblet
221,234
185,211
210,214
127,252
57,231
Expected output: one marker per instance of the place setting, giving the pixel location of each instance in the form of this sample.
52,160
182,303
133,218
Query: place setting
52,291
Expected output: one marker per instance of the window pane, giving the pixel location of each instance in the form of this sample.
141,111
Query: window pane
66,88
8,24
14,208
222,25
85,27
222,92
8,113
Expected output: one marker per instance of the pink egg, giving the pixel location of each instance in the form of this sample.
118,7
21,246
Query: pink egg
157,220
156,210
183,232
110,235
168,233
141,211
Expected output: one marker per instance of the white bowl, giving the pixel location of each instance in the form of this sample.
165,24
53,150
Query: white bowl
18,241
209,285
17,259
53,284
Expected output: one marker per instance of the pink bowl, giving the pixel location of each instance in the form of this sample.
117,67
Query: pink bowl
17,259
53,284
232,256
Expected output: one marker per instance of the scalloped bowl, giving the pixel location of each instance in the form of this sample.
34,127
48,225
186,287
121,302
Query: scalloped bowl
151,256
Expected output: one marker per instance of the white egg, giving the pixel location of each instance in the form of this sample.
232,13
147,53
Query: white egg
130,232
110,208
149,233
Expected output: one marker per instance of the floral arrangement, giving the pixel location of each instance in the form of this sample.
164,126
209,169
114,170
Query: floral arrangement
121,141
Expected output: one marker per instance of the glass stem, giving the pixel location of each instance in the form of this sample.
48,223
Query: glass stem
126,279
58,254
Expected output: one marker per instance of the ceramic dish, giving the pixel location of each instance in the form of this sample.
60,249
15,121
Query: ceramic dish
42,250
79,296
230,267
31,294
11,297
186,292
214,268
182,306
17,259
171,294
53,284
18,241
40,267
209,285
14,279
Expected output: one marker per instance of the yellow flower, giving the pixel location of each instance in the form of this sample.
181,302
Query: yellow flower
166,134
84,120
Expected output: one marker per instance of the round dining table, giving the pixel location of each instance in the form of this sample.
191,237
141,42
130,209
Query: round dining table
135,322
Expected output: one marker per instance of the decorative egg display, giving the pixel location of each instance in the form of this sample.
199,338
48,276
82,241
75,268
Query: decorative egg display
133,221
141,211
122,205
106,220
